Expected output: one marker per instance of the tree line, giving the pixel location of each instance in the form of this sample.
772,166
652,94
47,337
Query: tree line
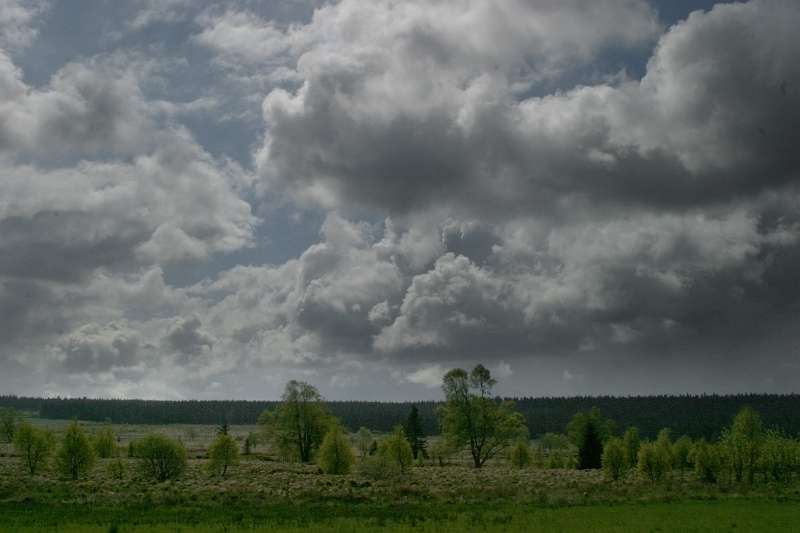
693,415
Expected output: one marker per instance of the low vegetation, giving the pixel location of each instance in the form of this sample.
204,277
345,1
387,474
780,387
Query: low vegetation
483,459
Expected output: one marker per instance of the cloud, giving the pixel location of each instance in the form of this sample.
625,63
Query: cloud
187,337
398,114
428,376
17,22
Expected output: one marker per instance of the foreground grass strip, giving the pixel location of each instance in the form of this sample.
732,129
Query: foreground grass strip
730,515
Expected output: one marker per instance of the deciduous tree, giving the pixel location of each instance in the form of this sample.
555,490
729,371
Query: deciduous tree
76,455
471,417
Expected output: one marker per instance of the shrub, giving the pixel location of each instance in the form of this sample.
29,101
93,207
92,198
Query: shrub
335,453
681,453
117,469
33,445
614,460
397,450
653,462
75,455
8,424
632,442
441,451
223,454
105,445
707,461
364,441
743,442
779,456
378,467
520,455
161,457
250,442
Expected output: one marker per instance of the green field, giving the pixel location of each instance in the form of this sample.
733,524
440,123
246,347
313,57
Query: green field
264,494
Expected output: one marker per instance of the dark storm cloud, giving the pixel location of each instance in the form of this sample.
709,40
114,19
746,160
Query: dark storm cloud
405,129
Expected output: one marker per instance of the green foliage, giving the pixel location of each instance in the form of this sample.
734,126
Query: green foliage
655,461
743,444
579,422
780,456
161,458
75,455
414,433
222,454
8,424
396,449
105,444
117,469
632,442
250,442
33,445
614,458
707,461
471,417
520,455
335,453
441,451
586,431
297,426
681,453
554,441
364,441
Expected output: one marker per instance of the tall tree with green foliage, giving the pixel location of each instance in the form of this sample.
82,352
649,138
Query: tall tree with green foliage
744,441
33,446
631,442
296,427
590,445
364,441
222,454
614,458
76,454
335,453
8,423
471,417
414,433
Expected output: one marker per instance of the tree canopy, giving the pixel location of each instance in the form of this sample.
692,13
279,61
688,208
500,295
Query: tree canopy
471,417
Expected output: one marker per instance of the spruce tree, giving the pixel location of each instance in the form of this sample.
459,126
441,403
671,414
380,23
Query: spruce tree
590,448
414,433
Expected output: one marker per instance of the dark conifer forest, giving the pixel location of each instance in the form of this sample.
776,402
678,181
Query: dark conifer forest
696,416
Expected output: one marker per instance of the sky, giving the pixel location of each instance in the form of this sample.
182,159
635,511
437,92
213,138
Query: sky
208,199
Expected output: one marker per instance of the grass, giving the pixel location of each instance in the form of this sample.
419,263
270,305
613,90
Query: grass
262,494
687,517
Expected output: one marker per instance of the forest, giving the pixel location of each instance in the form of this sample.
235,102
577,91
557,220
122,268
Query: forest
698,416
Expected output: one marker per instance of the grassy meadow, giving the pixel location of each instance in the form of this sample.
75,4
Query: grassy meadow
263,493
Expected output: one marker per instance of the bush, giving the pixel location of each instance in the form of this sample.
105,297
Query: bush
8,424
117,469
653,462
161,457
335,453
441,451
223,454
33,445
681,453
520,455
779,456
614,458
250,442
397,450
76,455
632,442
105,445
378,467
707,461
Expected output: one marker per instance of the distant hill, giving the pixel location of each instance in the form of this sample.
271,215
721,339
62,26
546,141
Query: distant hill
697,416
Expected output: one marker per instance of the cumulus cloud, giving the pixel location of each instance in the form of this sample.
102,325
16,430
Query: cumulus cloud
494,190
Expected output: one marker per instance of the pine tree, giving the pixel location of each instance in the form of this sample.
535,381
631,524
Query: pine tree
414,433
590,448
